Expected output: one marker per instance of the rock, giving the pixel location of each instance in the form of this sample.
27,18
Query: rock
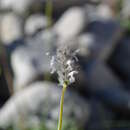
104,12
23,69
71,23
11,28
30,60
41,99
18,7
120,59
106,34
85,43
107,87
101,118
101,12
102,76
125,9
35,23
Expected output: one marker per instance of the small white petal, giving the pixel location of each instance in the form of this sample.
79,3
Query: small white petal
72,73
71,76
69,64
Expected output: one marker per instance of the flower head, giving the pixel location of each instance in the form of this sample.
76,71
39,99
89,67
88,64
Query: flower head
64,64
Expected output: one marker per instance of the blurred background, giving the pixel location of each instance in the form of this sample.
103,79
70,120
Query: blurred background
30,95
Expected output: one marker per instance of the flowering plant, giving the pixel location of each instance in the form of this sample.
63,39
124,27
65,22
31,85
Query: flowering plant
64,64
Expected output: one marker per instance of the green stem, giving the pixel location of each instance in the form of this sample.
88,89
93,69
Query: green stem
61,106
49,11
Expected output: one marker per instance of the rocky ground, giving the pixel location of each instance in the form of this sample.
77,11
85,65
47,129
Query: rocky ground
100,98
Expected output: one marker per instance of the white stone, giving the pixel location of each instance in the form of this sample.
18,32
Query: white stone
70,24
104,12
30,60
35,22
18,6
85,42
44,98
11,28
101,12
24,101
24,72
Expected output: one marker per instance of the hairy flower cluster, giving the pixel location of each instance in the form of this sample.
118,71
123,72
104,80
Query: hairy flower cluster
64,64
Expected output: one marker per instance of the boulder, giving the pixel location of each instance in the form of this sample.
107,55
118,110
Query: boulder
41,100
30,60
70,24
11,28
34,23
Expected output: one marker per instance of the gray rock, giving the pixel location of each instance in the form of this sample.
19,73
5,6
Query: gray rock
104,12
11,28
106,34
107,87
125,9
14,5
34,23
120,59
101,118
101,12
85,43
101,76
30,60
70,24
42,99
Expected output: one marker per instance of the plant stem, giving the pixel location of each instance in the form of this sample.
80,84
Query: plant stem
61,106
49,11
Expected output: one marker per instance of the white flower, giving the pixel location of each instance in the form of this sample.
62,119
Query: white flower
64,64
